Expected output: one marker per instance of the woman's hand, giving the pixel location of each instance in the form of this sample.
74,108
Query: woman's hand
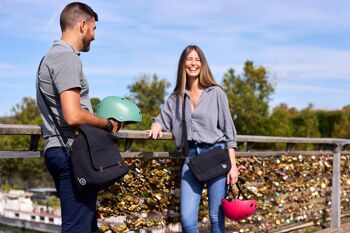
156,131
232,175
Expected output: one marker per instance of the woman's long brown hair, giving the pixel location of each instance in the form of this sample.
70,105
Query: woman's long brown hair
206,78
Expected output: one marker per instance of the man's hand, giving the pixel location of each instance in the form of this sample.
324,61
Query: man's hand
116,125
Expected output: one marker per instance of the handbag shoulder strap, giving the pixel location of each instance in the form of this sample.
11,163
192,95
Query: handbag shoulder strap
184,128
57,125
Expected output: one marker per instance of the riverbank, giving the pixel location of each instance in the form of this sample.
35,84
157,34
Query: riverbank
7,229
24,224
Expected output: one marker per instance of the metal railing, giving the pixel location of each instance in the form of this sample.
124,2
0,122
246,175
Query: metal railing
327,146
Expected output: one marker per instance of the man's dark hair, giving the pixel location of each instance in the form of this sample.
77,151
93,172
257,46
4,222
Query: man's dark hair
74,12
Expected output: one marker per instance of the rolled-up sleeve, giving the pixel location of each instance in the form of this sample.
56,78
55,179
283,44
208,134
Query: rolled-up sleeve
165,118
225,121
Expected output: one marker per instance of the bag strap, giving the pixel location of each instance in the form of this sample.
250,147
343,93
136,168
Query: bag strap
229,190
52,115
184,128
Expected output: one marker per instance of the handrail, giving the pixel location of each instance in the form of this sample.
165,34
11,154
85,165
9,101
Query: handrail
22,129
336,144
19,129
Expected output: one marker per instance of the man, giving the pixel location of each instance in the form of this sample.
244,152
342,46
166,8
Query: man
63,85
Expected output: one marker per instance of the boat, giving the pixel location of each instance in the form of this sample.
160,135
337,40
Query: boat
18,210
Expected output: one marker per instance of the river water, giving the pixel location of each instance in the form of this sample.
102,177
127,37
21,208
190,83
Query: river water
6,229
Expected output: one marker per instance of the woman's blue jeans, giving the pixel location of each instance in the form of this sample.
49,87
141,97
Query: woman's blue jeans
191,192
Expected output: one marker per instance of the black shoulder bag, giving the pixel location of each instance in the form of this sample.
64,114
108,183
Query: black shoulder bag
96,162
209,164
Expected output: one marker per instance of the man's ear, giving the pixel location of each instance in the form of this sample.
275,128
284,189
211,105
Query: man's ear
82,25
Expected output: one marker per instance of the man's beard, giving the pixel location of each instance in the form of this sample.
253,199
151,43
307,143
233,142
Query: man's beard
86,45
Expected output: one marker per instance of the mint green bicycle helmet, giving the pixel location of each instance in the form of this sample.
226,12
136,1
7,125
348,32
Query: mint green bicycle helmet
120,109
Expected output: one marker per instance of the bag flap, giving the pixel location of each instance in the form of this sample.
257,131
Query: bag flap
208,159
103,147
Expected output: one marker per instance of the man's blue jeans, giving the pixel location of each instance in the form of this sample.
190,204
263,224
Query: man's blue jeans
191,191
78,211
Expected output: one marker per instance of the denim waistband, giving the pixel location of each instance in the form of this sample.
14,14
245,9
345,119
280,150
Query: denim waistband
192,144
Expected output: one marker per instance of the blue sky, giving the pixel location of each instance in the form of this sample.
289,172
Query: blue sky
305,45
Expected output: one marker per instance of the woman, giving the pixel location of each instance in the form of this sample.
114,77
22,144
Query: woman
209,124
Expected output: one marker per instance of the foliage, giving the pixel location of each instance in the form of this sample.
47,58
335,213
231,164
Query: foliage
249,97
306,123
5,188
342,128
53,201
149,93
327,121
29,169
94,103
280,122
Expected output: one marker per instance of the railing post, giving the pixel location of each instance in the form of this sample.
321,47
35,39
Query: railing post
336,189
34,141
128,143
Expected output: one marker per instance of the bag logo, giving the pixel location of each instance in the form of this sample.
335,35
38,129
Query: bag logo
82,181
224,166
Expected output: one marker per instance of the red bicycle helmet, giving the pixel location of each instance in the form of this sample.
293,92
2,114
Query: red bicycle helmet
237,209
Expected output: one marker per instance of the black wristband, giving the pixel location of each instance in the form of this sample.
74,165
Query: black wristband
109,126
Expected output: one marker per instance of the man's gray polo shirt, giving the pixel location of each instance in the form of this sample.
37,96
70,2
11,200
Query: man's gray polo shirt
60,70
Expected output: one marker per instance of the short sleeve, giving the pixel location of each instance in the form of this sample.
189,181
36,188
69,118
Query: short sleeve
67,71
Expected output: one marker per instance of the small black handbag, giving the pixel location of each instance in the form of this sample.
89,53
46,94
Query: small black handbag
209,164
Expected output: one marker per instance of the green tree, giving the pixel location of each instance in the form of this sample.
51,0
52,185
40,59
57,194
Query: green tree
149,93
280,122
249,96
327,121
342,128
27,112
306,123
